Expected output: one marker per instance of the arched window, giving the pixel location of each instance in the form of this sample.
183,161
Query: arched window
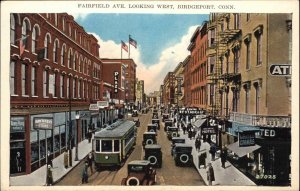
25,31
75,61
55,51
47,42
34,38
12,29
46,83
62,54
80,63
70,58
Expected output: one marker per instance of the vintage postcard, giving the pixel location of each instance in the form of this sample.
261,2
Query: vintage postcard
149,95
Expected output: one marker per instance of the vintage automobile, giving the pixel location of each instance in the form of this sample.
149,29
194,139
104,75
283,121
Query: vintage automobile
154,115
151,127
149,138
156,121
176,140
168,123
154,155
165,116
172,132
141,173
135,113
137,122
183,154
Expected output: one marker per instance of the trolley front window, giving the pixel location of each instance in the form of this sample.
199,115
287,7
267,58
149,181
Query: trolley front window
106,146
116,146
98,145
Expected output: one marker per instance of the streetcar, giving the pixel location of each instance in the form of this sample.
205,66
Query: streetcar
113,144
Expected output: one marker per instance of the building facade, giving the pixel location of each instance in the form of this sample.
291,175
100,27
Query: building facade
54,75
169,89
178,89
187,82
140,90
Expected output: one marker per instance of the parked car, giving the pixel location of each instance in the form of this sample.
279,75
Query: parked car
137,122
165,116
139,172
151,127
135,113
149,138
172,132
156,121
176,140
154,155
183,154
168,123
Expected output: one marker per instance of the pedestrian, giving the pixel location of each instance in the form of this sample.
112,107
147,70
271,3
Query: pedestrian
198,144
202,160
66,159
90,161
84,175
49,180
212,151
224,157
90,134
210,174
49,160
183,128
19,162
190,134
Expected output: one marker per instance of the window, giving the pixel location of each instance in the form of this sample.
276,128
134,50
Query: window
54,85
12,29
62,85
47,45
74,61
62,54
25,32
46,83
70,58
247,97
34,39
55,51
116,146
247,17
12,78
236,59
79,88
33,81
87,90
74,88
236,21
68,86
97,145
24,79
79,63
248,54
106,145
258,35
83,89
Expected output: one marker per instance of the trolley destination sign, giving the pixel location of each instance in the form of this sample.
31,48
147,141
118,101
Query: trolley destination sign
43,123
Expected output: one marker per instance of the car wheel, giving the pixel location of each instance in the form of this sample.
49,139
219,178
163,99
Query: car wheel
184,158
152,159
132,181
149,142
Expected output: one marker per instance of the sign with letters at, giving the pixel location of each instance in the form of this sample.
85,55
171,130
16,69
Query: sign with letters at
116,76
281,70
247,138
45,123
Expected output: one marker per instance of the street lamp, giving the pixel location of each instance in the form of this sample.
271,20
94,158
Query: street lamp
220,136
77,128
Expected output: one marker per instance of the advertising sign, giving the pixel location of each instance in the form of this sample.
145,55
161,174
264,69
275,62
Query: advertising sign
45,123
247,138
116,76
208,130
280,70
94,107
102,104
191,111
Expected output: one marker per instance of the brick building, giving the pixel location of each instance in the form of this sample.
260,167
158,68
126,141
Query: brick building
57,86
169,89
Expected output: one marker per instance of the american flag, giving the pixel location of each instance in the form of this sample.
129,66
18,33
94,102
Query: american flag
132,42
22,44
124,46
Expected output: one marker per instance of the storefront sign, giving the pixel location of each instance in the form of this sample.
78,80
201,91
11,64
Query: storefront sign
102,104
17,124
94,107
116,76
45,123
280,70
246,138
208,130
191,111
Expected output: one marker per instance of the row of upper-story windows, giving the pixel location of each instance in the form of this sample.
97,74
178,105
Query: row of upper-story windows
59,85
68,27
56,51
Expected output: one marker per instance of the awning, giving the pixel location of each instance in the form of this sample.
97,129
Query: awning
199,122
242,151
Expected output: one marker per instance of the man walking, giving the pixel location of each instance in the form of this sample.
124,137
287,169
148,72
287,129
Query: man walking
212,151
90,161
210,174
224,157
198,144
84,175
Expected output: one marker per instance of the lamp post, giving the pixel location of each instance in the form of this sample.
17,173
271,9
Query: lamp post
77,127
220,136
70,127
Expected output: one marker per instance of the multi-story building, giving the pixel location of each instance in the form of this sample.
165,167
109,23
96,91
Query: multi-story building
187,81
197,47
140,102
179,91
54,75
242,49
169,89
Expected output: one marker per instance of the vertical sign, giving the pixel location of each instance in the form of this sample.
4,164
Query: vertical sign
179,80
116,76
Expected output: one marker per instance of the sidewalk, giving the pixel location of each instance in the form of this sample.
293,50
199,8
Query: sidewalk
38,177
228,176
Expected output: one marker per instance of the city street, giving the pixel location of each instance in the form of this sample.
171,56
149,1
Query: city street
169,174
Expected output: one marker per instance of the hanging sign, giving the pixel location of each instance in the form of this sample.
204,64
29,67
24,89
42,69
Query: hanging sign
45,123
116,76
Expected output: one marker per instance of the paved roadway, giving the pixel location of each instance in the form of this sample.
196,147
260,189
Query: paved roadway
169,174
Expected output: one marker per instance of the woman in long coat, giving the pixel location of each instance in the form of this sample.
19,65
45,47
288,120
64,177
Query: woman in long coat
210,174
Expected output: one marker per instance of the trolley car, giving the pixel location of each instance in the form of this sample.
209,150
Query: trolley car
113,144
